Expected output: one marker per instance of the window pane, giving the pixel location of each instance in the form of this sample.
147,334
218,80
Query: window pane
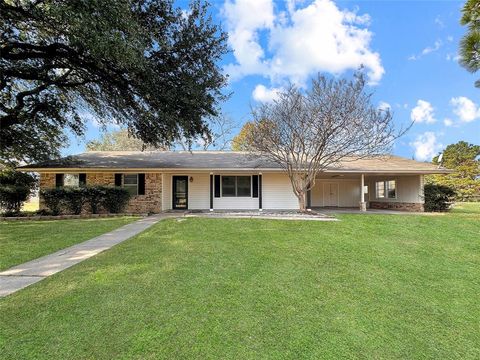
71,180
392,187
228,185
243,185
130,179
132,189
380,189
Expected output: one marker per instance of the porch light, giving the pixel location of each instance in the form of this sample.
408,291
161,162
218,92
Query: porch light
191,179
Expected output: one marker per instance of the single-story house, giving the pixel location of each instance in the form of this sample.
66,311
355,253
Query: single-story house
212,180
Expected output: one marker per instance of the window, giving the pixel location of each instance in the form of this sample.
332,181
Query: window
130,182
71,180
386,189
239,186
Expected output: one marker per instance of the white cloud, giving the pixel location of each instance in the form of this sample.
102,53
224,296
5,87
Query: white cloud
264,94
465,108
296,43
382,105
429,49
452,57
423,112
439,22
447,122
426,146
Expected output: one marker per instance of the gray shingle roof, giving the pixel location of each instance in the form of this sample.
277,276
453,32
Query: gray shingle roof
214,160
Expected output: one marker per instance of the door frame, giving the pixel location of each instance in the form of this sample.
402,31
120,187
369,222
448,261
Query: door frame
338,193
174,188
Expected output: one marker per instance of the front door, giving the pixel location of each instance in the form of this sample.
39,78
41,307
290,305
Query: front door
180,192
331,194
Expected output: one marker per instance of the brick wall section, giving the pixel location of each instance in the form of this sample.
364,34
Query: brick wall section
413,207
150,202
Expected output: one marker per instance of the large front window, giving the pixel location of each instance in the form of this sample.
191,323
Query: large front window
239,186
386,189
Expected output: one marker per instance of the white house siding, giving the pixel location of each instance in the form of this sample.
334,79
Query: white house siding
409,188
277,192
348,192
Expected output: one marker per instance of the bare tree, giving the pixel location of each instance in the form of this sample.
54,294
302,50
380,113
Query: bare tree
221,127
307,132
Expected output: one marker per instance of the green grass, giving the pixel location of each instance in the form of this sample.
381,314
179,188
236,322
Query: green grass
369,286
467,208
21,241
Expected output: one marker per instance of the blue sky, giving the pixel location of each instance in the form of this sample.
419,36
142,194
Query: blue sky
409,49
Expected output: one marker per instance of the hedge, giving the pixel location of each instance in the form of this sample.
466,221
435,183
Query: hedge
438,197
72,200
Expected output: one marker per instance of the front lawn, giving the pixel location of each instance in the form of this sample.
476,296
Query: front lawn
369,286
21,241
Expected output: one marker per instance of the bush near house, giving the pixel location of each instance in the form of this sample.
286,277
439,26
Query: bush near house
438,197
15,188
73,200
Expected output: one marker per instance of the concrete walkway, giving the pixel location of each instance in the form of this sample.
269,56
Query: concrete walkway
21,276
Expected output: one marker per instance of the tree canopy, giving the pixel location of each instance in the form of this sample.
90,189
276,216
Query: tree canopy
142,64
464,159
470,44
241,141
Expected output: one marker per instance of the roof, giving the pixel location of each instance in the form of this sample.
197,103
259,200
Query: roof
217,160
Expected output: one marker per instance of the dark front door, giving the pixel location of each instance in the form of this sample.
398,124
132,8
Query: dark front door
180,192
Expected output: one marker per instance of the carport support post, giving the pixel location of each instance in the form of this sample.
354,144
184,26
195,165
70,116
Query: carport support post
363,204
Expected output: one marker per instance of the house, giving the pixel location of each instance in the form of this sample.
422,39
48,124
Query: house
163,180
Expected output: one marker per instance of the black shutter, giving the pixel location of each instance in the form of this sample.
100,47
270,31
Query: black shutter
58,180
82,180
217,186
118,179
255,186
141,184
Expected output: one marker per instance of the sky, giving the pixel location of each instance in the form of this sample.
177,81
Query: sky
409,50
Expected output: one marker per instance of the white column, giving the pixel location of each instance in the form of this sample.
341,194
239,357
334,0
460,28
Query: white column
363,204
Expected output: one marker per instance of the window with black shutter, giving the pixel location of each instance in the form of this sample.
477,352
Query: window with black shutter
58,180
82,180
141,184
217,186
255,186
118,179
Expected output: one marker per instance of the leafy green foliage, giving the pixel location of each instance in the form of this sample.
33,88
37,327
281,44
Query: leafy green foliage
71,200
438,197
142,64
15,188
463,158
470,44
115,199
53,199
242,142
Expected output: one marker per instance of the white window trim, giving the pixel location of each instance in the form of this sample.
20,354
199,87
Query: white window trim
235,196
385,184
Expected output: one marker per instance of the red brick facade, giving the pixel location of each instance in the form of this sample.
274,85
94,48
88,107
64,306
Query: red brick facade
413,207
151,202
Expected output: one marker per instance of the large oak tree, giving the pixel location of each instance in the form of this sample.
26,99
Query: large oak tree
143,64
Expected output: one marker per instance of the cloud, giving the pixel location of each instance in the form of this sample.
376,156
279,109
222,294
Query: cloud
426,146
423,112
438,21
448,122
465,108
291,45
429,49
382,105
264,94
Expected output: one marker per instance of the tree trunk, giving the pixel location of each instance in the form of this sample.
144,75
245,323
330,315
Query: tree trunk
301,202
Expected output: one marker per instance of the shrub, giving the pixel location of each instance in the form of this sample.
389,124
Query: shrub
438,197
115,200
53,199
95,197
15,188
74,199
